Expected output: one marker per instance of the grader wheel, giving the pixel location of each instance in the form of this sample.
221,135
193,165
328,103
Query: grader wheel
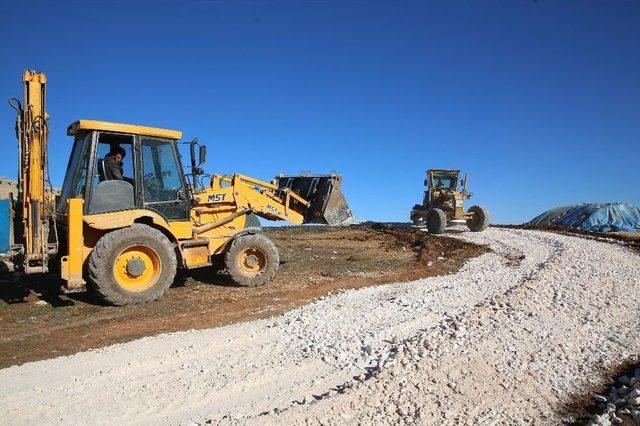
252,260
480,220
131,265
436,221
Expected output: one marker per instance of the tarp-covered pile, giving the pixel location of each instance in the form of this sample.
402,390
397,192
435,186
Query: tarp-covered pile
593,217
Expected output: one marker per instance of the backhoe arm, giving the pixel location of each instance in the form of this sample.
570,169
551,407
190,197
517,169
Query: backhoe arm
34,207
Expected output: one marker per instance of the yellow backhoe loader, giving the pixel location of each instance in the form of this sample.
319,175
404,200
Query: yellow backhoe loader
128,215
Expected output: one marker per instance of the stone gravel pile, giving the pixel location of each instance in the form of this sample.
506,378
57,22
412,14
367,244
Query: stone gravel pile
514,357
505,340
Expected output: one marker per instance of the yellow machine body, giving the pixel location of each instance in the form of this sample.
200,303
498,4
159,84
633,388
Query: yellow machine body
443,203
218,214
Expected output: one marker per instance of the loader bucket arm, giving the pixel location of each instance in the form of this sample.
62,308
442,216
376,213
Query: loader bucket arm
262,198
281,199
327,204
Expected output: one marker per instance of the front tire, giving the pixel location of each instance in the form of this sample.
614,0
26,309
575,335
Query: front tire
131,265
436,221
480,220
252,260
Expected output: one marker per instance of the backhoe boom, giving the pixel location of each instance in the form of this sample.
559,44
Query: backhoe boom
34,206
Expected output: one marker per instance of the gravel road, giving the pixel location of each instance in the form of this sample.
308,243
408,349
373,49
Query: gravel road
509,338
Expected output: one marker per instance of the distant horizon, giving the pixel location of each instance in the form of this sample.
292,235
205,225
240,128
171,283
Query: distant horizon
358,220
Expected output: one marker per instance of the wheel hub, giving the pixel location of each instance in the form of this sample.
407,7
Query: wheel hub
135,267
252,260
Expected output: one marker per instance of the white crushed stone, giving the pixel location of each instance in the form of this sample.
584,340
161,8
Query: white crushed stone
507,339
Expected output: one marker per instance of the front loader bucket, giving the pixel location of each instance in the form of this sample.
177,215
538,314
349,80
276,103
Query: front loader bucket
328,205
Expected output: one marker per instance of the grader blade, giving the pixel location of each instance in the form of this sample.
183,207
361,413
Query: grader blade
327,202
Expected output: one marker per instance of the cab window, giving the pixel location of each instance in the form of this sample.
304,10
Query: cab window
113,179
161,174
445,181
76,177
108,168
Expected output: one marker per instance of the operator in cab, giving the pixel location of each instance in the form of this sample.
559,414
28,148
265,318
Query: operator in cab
113,165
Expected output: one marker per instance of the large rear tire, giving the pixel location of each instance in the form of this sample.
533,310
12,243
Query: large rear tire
252,260
480,220
436,221
131,265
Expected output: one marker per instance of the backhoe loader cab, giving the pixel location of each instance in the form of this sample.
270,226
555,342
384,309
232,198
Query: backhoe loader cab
148,176
443,203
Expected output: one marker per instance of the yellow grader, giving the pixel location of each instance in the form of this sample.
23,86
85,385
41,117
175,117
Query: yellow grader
122,234
443,204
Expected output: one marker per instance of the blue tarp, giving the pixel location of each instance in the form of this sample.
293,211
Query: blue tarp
5,226
593,217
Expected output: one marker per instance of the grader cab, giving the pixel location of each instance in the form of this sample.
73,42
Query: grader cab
443,204
127,216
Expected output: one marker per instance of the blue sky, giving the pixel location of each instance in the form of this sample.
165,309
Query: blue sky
538,101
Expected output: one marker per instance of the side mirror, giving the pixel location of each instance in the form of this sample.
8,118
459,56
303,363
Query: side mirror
462,182
202,154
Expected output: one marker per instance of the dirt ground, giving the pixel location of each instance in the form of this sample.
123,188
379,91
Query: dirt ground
38,323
